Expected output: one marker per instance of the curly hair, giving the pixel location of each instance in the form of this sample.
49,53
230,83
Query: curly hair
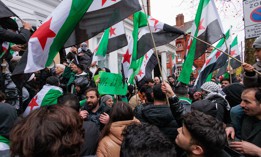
206,131
145,140
54,131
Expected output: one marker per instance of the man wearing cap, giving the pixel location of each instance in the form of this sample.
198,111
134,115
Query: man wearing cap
251,78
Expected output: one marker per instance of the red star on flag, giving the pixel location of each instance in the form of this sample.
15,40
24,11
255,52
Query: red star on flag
33,103
140,73
104,1
146,56
200,27
155,21
207,61
233,53
44,32
126,57
112,31
218,54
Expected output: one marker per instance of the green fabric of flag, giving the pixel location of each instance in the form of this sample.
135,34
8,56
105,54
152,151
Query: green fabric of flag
206,27
103,44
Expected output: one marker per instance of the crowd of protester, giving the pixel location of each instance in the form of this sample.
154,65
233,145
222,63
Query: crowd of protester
155,118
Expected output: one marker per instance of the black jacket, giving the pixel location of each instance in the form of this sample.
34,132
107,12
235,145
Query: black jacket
164,117
251,130
9,36
91,137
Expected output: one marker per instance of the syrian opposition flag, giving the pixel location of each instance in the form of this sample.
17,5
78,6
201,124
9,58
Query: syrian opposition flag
234,52
148,64
50,37
112,39
101,15
162,34
5,47
207,27
48,95
126,61
215,60
142,41
5,11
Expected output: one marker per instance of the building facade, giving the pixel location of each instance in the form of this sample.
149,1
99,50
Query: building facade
36,11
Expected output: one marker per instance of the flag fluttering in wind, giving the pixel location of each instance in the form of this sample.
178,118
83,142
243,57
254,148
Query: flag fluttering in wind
232,63
142,41
51,36
148,64
234,52
101,15
215,60
5,11
207,27
162,34
48,95
112,39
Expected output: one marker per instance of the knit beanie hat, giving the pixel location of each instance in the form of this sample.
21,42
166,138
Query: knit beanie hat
105,98
210,87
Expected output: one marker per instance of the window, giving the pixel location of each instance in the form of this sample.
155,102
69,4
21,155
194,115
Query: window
179,46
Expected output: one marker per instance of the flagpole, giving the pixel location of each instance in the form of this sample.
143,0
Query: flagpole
155,50
223,52
228,50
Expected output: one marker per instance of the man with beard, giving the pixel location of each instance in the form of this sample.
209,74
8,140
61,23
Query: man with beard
250,143
93,110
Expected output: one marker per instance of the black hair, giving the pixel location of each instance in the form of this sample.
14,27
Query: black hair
53,80
140,140
158,94
257,91
69,100
181,89
206,131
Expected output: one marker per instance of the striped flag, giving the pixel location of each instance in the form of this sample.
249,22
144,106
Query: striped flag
46,96
5,11
234,52
112,39
142,41
215,60
50,37
207,27
148,64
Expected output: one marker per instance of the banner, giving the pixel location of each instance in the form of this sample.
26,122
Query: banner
111,84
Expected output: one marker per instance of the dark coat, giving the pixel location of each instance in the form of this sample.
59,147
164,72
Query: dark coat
94,117
91,137
161,117
252,79
251,130
9,36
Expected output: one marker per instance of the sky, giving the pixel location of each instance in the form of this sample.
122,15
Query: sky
230,12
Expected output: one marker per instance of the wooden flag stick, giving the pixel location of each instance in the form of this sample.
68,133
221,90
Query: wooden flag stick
223,52
155,50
